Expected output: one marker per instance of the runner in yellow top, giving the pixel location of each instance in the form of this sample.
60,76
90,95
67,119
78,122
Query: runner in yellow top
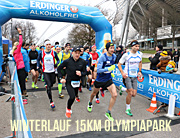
66,53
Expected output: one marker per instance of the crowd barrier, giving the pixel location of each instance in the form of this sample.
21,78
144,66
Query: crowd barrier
163,85
18,112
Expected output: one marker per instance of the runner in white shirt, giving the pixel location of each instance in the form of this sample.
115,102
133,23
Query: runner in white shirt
133,66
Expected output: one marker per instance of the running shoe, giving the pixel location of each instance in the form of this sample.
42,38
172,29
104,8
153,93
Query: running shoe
120,90
128,112
24,100
61,95
36,87
109,117
45,85
68,113
42,79
32,85
97,100
80,90
77,99
89,107
90,88
102,92
52,105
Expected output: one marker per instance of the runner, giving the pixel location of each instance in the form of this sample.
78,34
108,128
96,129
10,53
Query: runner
40,67
86,57
133,61
47,57
75,68
94,57
104,68
33,56
66,53
59,54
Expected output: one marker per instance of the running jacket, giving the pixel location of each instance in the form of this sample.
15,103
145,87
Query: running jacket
18,57
104,63
71,67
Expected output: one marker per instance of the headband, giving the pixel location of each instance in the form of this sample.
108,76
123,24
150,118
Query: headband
47,42
134,43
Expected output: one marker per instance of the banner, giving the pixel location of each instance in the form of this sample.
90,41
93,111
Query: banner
163,85
61,12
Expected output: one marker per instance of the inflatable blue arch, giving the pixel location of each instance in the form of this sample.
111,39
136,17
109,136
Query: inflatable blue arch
43,10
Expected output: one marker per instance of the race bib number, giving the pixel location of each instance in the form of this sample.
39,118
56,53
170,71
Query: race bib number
75,84
34,61
93,61
133,72
48,60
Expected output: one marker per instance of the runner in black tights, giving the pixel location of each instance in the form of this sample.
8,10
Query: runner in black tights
75,69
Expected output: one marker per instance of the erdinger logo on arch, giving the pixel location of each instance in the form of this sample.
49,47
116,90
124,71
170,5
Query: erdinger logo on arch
74,9
140,79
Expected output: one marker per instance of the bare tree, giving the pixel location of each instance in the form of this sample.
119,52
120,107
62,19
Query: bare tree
81,34
28,31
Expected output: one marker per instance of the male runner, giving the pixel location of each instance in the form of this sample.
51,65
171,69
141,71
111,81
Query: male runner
33,56
47,57
86,57
104,68
75,68
133,61
94,57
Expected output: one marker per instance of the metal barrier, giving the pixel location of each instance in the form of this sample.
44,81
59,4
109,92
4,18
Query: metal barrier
18,112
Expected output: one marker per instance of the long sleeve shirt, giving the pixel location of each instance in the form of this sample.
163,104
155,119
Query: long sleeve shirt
71,67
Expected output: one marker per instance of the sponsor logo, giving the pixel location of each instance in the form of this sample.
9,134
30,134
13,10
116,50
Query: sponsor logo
74,9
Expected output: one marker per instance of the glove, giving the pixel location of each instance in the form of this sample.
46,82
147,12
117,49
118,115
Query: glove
111,68
112,75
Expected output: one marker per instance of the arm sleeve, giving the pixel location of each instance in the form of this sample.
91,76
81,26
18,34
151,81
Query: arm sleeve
83,73
20,44
60,67
39,59
100,65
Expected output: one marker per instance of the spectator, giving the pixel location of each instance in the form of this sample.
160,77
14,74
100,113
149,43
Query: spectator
20,63
176,57
155,60
119,53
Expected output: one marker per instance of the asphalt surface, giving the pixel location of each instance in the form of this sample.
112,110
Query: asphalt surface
38,108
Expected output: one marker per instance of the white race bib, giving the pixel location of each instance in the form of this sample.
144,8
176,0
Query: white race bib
34,61
93,61
75,84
